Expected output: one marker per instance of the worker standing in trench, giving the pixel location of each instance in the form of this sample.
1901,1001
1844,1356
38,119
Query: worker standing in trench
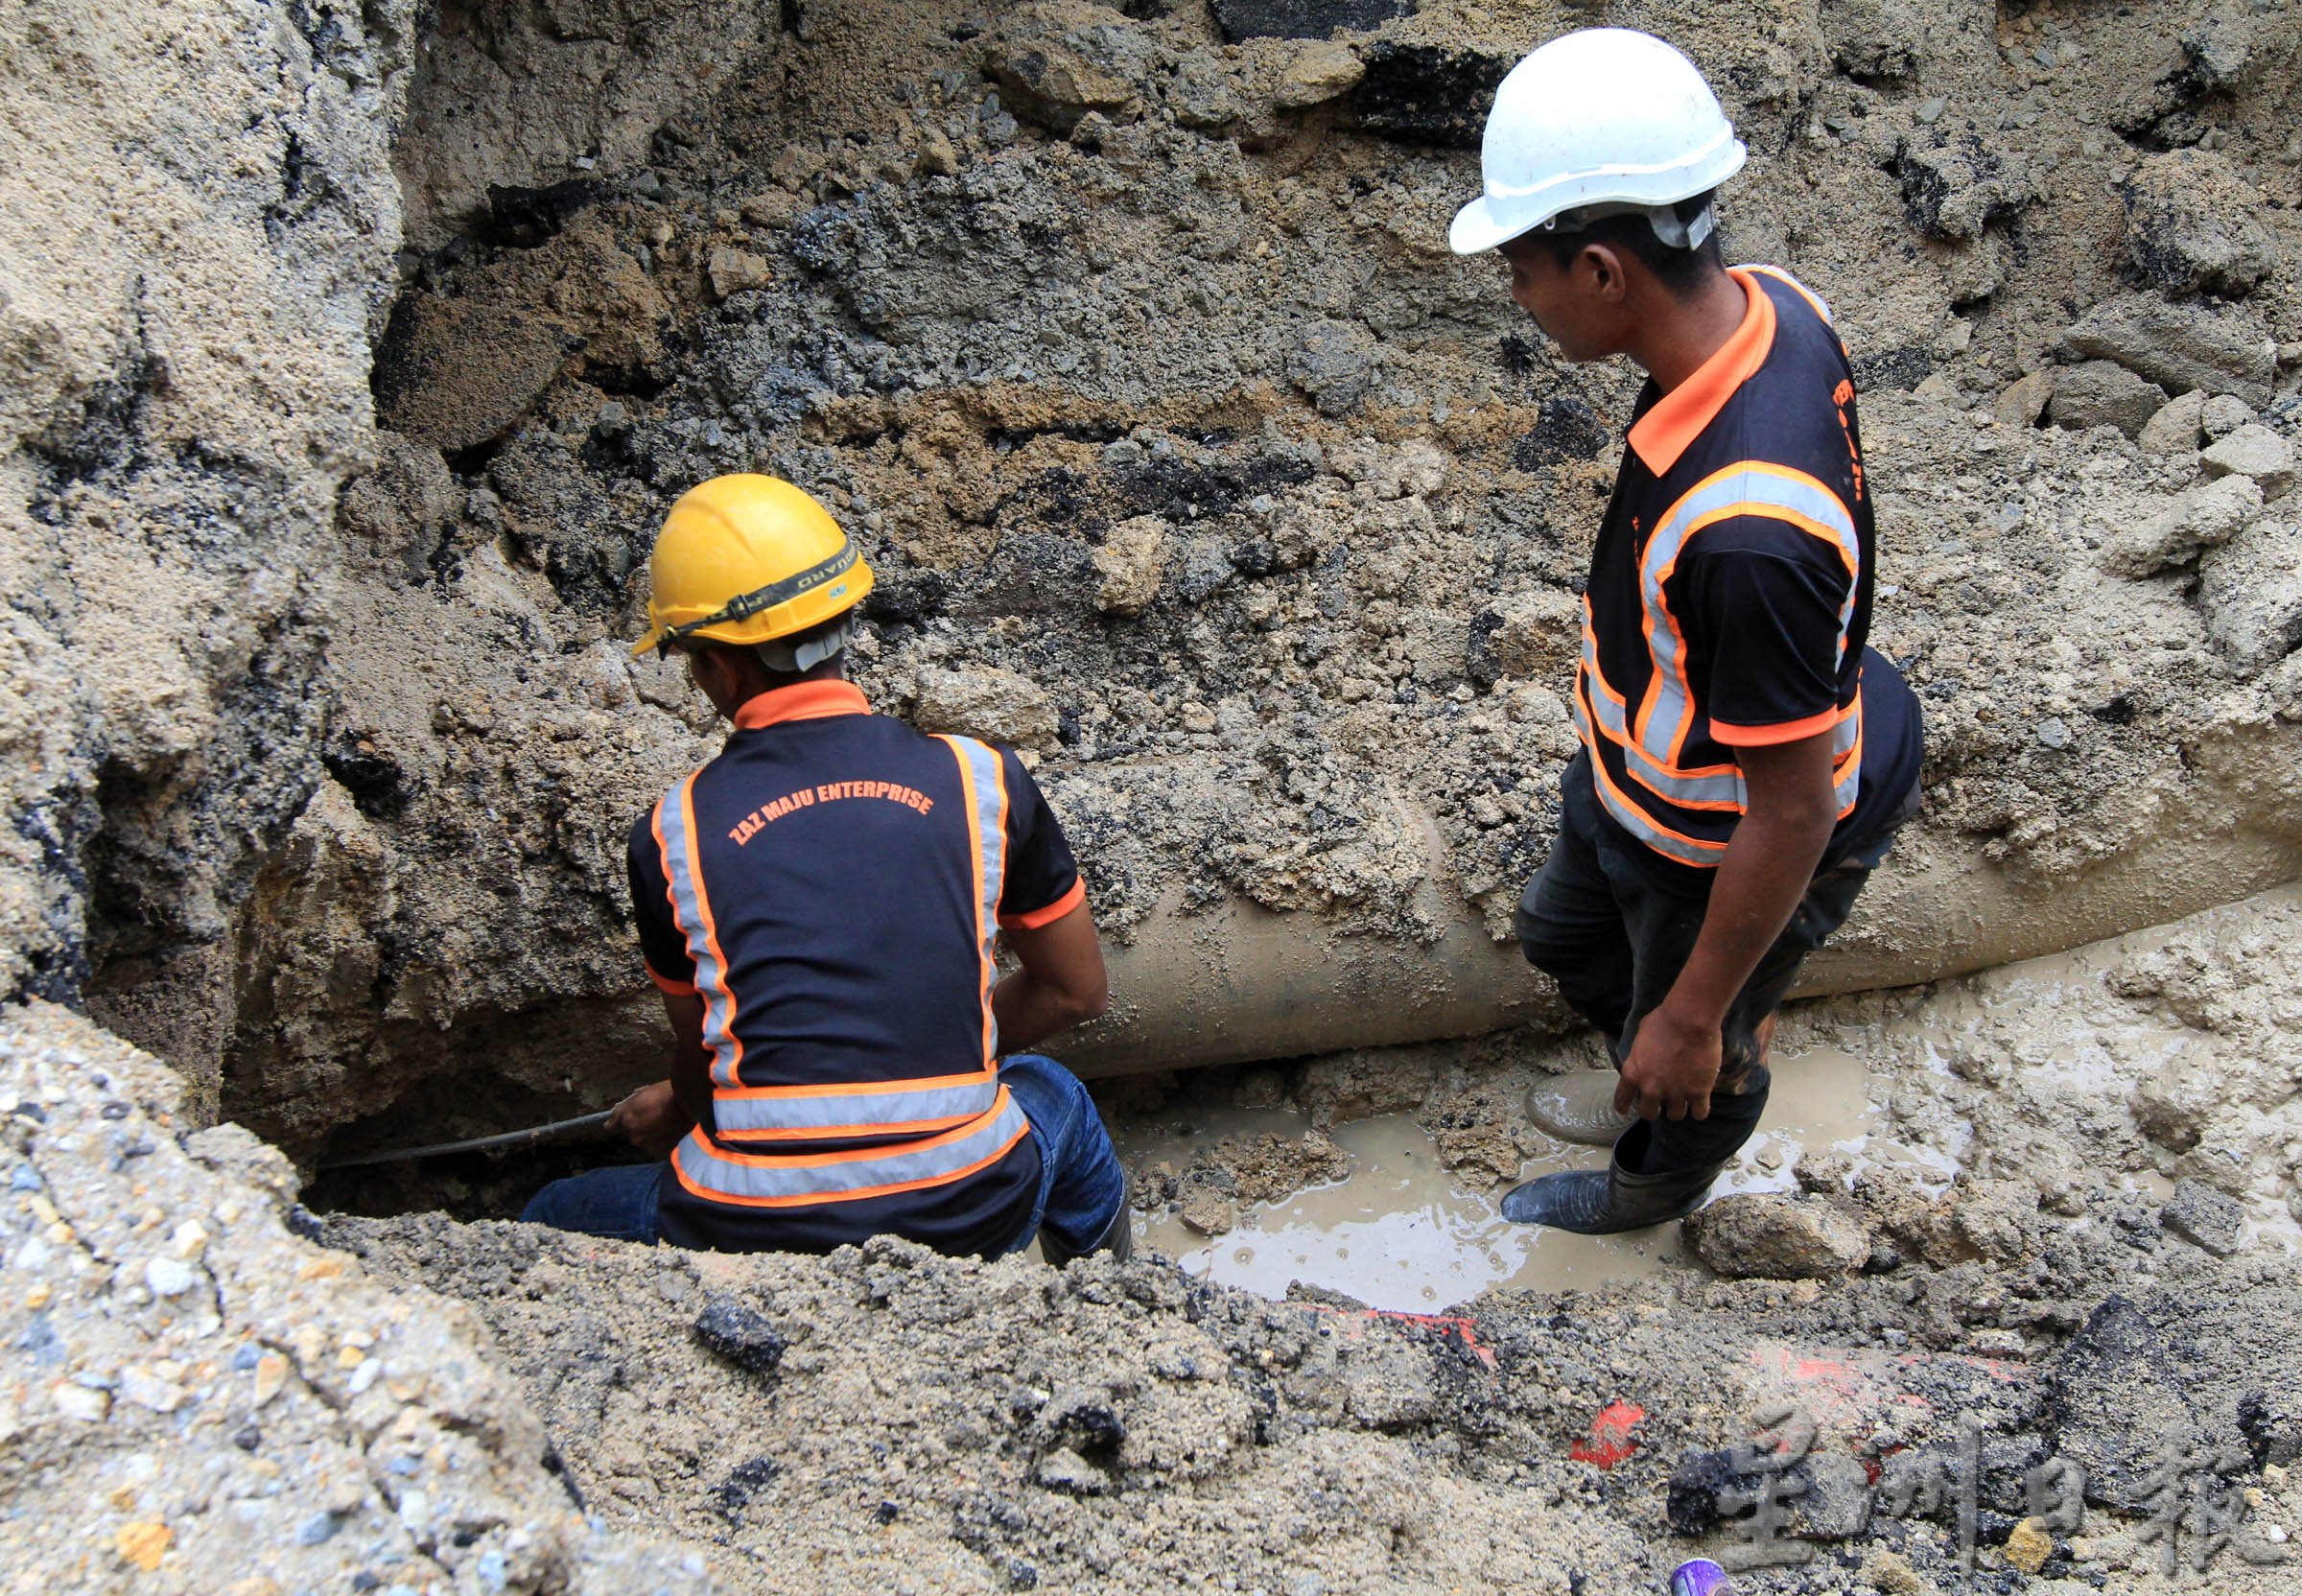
1746,758
819,905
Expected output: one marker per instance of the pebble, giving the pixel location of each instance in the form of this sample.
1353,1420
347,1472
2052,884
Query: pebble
78,1401
1929,111
2054,733
272,1372
169,1276
148,1388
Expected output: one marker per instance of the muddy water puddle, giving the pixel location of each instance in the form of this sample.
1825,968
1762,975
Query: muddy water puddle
1401,1232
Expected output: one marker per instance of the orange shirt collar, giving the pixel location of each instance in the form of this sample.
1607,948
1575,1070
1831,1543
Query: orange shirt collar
1662,435
808,702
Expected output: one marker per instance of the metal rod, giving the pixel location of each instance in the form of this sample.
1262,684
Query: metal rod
471,1144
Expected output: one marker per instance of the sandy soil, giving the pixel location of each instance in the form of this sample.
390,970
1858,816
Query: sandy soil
885,1418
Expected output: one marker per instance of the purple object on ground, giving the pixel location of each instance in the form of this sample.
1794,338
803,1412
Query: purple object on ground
1700,1578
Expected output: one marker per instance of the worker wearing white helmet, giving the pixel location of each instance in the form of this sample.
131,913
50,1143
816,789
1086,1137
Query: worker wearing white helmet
1744,756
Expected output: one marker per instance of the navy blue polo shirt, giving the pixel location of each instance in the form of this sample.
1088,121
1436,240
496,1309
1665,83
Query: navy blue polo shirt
831,886
1729,596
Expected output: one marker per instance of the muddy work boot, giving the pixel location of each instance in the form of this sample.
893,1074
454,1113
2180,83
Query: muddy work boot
1604,1202
1118,1237
1579,1107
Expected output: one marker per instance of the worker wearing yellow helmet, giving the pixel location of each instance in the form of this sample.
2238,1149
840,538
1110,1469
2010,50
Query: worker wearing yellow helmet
820,905
1744,756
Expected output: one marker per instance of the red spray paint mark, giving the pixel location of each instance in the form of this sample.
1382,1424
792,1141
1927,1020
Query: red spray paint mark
1456,1327
1609,1440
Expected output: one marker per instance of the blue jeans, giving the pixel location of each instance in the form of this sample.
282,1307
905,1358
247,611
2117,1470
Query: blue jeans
617,1203
1081,1187
1080,1183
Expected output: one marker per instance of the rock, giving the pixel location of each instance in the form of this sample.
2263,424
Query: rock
2224,414
169,1276
734,272
1956,180
999,706
1775,1237
1056,79
1209,1213
1333,362
1246,19
741,1335
1202,93
2252,450
1321,72
462,372
2103,393
2216,55
2180,346
2116,1395
2029,1545
1129,564
1995,1218
149,1388
2025,399
2194,225
2174,429
1877,41
1066,1470
2202,1214
1890,1573
2250,591
79,1403
1429,93
2203,518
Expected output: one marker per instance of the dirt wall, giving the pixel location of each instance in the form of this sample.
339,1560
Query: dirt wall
1192,462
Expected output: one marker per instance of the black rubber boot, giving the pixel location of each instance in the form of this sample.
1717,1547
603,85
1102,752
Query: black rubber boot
1604,1202
1118,1237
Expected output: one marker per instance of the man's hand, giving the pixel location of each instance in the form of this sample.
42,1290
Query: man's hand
1674,1062
652,1119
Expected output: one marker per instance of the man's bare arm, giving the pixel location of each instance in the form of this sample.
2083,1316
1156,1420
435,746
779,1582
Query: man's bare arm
654,1118
1675,1058
1061,981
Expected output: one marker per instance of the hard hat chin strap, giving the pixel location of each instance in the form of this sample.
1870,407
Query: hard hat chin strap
1670,227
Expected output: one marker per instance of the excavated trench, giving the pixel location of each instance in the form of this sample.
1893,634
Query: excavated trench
1126,342
1195,468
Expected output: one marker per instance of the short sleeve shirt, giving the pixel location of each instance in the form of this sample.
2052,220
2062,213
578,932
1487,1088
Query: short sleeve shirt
831,886
1728,602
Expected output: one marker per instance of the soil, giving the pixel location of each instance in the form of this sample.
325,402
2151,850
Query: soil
351,355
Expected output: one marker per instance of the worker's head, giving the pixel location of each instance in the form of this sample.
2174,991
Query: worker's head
1600,158
754,583
1586,277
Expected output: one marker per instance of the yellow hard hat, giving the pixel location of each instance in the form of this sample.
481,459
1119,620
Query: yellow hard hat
747,559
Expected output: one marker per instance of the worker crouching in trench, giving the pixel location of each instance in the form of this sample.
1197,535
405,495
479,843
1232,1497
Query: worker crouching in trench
819,905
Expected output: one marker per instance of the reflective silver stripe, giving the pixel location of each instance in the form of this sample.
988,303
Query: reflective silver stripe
691,906
859,1108
986,784
1762,488
1666,782
1636,821
1639,824
820,1177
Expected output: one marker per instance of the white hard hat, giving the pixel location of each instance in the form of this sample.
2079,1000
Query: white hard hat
1607,116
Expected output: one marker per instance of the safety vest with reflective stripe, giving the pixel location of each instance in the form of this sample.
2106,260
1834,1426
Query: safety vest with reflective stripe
841,1140
1764,438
